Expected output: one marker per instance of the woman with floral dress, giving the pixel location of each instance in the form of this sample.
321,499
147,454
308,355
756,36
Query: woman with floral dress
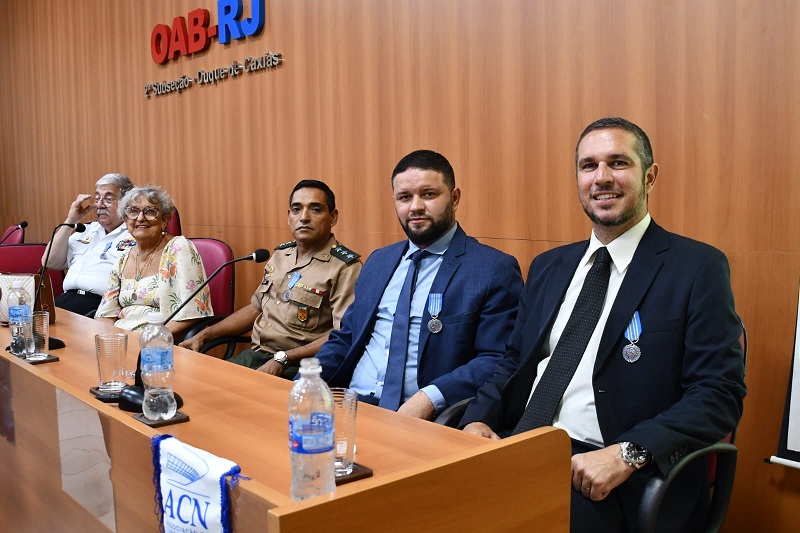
158,272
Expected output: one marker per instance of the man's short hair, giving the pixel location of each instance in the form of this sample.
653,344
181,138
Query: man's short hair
119,180
427,160
330,198
642,147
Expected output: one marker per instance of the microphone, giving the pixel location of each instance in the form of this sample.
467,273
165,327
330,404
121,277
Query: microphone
80,228
132,396
21,225
53,343
259,256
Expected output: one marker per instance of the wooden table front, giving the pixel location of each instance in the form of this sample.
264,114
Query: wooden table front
426,477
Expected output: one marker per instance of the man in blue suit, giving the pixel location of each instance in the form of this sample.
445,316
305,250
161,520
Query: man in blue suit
661,371
461,299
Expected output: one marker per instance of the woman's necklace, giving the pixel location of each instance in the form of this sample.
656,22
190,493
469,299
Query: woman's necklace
138,272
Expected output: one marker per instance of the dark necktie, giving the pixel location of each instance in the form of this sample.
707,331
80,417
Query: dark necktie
541,409
398,343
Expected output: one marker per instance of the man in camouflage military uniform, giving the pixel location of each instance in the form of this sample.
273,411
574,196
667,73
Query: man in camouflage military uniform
308,284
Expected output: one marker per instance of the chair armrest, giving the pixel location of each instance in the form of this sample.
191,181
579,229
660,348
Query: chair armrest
213,343
658,486
451,416
231,343
201,324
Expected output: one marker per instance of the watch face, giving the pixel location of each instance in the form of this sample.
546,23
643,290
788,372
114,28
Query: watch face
635,454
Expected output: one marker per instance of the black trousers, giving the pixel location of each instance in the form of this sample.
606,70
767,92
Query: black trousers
683,510
253,359
73,300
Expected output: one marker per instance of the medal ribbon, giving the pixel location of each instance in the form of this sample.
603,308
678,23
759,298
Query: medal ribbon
294,279
634,329
435,304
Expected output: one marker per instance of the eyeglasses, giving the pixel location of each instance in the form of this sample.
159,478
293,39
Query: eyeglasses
150,213
106,200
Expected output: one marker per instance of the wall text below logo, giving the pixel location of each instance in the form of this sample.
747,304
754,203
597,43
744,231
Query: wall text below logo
270,60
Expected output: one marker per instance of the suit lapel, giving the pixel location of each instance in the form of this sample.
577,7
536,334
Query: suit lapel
556,287
647,261
451,261
375,288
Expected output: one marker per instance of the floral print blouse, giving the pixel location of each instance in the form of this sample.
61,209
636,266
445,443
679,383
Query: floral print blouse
180,272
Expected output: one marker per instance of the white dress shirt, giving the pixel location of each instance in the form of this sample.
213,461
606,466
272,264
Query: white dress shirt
577,414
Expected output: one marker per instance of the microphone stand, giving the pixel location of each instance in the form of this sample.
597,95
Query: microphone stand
22,225
131,397
52,343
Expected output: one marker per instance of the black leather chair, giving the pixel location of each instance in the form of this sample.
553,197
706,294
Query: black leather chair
451,416
721,458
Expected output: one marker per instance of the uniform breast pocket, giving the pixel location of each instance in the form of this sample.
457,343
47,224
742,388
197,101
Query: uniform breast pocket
264,291
303,309
80,250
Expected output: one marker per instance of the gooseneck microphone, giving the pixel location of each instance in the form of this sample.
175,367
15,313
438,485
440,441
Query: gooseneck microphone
259,256
132,396
21,225
53,343
80,228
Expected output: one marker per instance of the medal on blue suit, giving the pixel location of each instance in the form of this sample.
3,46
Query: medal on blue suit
434,308
631,353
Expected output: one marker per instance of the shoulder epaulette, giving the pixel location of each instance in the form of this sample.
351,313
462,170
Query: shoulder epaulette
285,245
344,254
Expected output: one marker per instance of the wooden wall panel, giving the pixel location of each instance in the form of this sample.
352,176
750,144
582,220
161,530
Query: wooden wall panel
501,87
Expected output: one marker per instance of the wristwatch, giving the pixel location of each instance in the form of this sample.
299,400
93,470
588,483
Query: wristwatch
634,455
281,357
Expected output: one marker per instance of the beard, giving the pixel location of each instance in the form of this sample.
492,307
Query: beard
624,216
431,233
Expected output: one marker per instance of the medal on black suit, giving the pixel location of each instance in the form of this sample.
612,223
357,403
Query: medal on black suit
631,352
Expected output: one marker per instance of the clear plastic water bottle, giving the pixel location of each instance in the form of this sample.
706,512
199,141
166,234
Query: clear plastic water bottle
20,321
311,433
157,369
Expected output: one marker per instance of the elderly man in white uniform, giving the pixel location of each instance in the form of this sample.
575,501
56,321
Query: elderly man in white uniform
89,256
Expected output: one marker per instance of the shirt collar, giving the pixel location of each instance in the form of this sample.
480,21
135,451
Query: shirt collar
439,246
622,248
324,253
116,231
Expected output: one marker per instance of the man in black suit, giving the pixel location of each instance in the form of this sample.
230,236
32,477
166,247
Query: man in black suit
661,372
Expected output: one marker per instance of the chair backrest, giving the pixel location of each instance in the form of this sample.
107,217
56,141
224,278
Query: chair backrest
174,225
27,259
712,459
13,237
215,253
721,459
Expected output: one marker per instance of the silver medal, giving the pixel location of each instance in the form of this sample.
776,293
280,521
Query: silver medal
631,353
434,325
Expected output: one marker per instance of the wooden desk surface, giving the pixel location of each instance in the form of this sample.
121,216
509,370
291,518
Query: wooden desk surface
241,414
